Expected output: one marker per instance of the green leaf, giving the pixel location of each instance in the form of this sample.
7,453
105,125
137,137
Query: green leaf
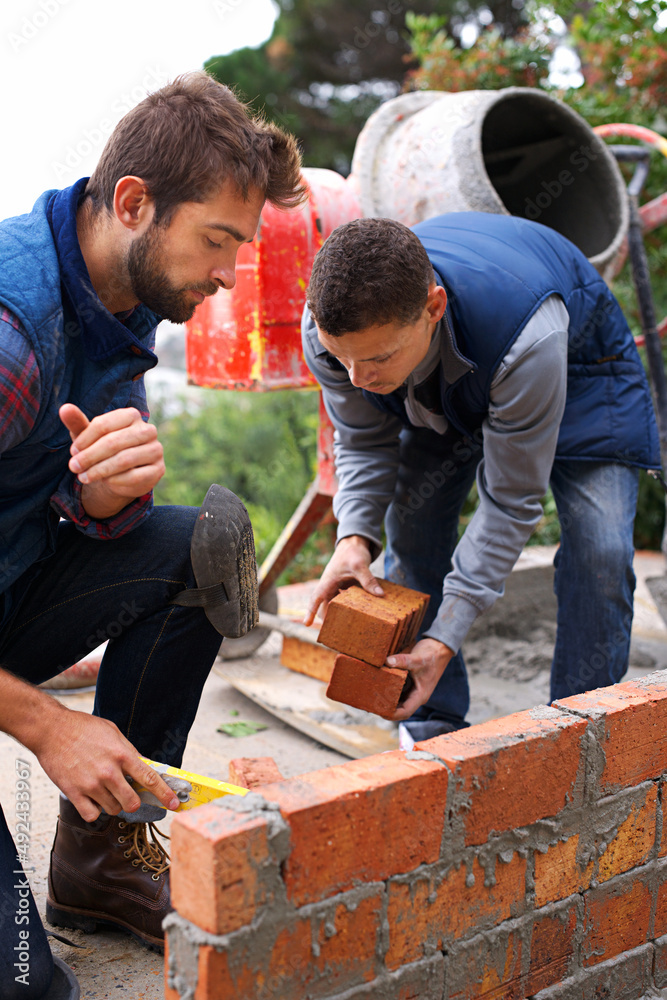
241,728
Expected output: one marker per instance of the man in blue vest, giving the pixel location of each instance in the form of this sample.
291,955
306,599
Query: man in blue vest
479,345
84,280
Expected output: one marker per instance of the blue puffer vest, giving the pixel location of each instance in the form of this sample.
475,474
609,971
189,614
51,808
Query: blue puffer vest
497,270
75,366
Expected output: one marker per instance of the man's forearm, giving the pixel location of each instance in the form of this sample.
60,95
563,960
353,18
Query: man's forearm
25,711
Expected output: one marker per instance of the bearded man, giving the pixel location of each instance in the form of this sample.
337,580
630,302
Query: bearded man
84,280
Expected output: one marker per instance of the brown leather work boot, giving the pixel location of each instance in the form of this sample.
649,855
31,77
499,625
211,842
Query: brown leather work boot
108,872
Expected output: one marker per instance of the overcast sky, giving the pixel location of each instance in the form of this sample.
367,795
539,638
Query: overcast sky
70,69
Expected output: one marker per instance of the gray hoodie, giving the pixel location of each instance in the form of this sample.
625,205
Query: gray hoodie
519,443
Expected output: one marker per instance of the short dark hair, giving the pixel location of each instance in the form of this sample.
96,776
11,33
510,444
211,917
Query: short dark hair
186,139
369,272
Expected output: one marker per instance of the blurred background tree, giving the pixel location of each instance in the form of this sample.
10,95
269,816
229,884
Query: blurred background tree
330,63
260,445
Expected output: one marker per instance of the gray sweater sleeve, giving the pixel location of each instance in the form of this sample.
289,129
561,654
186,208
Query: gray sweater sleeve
520,435
365,446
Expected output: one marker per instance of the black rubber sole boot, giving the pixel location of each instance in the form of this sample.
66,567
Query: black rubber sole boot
222,552
63,916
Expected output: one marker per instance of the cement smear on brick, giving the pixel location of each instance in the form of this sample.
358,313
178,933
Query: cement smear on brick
423,755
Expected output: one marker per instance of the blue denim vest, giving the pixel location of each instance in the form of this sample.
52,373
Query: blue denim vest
497,270
85,356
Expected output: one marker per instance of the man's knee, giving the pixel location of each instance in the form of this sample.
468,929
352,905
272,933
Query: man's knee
596,543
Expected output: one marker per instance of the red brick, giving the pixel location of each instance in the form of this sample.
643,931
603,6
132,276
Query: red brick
662,850
251,772
552,948
514,962
487,968
425,913
372,628
558,873
634,716
216,855
420,981
308,658
361,821
616,919
513,771
334,954
634,840
373,689
625,977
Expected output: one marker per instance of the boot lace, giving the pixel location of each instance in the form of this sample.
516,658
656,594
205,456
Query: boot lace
149,853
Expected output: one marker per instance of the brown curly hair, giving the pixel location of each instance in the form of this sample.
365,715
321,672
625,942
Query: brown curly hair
369,272
186,139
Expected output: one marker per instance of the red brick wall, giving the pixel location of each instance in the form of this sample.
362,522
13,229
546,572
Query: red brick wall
519,858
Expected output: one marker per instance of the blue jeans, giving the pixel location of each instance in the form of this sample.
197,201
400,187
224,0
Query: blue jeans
154,667
594,581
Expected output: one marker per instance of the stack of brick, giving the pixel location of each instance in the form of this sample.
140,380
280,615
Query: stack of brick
524,857
365,630
372,628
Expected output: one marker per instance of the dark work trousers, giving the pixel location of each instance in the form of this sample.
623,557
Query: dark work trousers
152,674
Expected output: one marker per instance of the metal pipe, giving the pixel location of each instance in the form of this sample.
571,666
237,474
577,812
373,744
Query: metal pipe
293,630
642,281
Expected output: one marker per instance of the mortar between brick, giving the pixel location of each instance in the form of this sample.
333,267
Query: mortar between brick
595,829
505,952
580,985
255,942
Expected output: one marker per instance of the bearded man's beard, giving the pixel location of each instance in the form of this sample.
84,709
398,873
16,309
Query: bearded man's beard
150,284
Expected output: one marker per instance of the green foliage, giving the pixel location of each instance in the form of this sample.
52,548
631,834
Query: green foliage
260,446
624,64
622,52
649,523
495,61
241,728
623,56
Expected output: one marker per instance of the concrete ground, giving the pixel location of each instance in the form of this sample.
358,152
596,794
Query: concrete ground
110,964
